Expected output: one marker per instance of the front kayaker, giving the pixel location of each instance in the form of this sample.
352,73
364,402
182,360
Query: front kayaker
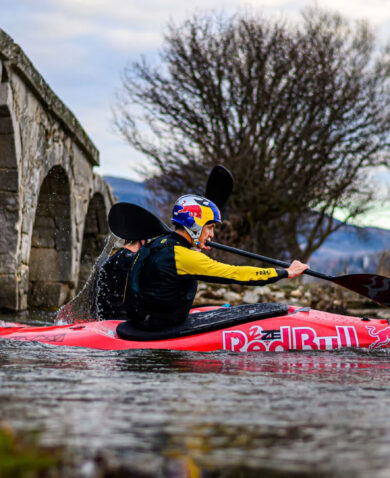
111,281
162,283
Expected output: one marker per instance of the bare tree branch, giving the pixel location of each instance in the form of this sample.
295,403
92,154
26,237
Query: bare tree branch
297,113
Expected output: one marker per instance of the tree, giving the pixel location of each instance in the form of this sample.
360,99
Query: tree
297,113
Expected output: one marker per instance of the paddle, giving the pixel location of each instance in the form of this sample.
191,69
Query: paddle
219,186
373,286
131,222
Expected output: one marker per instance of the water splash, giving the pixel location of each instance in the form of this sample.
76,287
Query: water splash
83,308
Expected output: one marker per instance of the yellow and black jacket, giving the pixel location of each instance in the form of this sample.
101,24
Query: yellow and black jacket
163,280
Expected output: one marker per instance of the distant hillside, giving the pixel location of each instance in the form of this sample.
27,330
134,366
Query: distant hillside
352,248
127,190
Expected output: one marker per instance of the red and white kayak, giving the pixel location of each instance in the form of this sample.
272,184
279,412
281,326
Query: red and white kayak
245,328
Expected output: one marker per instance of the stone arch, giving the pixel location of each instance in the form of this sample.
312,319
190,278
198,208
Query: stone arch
9,209
95,233
51,245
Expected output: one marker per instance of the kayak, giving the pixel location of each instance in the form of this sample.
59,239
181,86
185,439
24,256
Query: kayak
264,327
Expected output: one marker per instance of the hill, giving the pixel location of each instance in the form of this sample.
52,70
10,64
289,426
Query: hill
351,249
127,190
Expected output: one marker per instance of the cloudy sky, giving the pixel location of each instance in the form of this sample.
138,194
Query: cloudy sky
81,46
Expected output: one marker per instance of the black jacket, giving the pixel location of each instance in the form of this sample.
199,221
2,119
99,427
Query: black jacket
111,285
163,280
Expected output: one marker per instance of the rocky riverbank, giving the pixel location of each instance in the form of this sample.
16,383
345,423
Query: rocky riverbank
316,294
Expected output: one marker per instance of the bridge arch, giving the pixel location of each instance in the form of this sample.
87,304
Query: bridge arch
50,256
95,234
9,206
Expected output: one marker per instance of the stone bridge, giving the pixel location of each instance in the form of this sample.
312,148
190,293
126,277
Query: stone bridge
53,208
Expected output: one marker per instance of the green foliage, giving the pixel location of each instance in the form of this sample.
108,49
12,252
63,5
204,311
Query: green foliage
23,457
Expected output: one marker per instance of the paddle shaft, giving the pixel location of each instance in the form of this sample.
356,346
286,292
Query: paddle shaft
258,257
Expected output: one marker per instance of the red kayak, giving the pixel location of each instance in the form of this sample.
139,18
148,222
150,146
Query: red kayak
245,328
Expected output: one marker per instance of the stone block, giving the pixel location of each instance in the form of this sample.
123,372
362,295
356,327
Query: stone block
62,240
9,180
8,236
8,262
23,286
62,222
49,265
6,126
23,302
61,202
9,201
5,94
7,151
8,292
48,295
44,222
82,173
25,248
27,222
42,241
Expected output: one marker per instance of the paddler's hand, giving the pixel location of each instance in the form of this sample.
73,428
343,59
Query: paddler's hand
203,247
296,268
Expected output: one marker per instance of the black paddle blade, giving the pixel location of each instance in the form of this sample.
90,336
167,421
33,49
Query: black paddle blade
133,223
376,288
219,186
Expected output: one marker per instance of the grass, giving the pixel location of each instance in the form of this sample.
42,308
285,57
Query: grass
21,455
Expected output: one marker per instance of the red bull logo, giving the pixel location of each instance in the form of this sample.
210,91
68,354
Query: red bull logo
381,336
288,338
193,210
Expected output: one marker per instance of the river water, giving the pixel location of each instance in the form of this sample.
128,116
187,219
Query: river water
180,414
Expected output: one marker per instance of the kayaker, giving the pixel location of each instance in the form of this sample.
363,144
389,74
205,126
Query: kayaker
162,283
111,281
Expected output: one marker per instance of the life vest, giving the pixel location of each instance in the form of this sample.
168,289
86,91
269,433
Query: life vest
141,312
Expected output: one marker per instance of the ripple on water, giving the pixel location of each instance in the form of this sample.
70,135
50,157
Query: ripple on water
168,412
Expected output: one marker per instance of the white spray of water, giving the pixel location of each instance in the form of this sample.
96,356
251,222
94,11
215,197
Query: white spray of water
83,308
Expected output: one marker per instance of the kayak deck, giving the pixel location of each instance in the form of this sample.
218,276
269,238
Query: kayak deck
200,321
291,329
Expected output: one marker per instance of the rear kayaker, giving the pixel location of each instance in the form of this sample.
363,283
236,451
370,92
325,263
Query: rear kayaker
246,328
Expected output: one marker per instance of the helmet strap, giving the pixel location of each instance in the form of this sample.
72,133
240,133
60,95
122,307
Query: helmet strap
195,236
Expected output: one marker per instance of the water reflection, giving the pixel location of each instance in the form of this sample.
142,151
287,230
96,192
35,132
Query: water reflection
170,413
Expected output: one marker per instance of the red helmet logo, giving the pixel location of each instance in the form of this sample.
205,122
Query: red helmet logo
194,211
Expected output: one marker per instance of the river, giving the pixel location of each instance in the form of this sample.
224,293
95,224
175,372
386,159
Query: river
180,414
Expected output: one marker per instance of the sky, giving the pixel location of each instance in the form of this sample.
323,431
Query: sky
81,47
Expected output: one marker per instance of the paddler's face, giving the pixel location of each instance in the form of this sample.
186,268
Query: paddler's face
207,233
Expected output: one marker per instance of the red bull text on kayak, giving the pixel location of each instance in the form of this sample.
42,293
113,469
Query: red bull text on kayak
288,338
